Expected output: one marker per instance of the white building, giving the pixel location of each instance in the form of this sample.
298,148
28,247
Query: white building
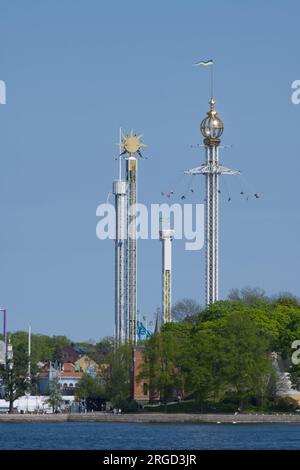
35,404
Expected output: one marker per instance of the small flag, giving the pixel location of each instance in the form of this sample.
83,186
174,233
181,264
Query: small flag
205,63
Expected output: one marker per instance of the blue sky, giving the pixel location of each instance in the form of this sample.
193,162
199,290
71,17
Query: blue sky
76,71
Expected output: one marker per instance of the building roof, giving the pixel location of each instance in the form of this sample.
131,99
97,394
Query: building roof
68,367
69,374
81,350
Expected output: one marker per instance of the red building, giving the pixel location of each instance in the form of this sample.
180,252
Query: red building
140,388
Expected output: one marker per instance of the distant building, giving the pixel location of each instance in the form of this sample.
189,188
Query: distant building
37,404
69,373
87,366
139,388
68,377
73,353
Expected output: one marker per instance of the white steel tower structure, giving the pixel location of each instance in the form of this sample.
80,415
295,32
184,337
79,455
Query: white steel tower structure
131,179
131,149
166,237
119,190
212,128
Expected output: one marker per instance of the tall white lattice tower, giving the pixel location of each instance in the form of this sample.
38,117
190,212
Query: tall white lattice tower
131,149
212,128
131,179
166,237
119,190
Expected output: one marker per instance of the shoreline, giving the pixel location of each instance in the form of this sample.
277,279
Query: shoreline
152,418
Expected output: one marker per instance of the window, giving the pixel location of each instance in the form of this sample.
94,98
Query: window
145,388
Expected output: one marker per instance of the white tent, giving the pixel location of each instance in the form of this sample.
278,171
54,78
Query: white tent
33,404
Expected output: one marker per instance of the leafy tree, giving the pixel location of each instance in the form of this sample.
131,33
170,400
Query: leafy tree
294,375
185,309
287,299
223,354
103,349
116,374
245,365
162,366
219,353
57,343
90,387
92,391
43,347
248,295
55,397
205,374
13,380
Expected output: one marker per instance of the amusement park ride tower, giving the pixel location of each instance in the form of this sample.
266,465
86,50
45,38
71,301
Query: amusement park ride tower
119,190
126,245
166,237
212,128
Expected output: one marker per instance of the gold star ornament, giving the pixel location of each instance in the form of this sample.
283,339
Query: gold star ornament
131,143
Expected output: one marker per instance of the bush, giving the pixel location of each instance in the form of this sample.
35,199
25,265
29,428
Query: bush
126,406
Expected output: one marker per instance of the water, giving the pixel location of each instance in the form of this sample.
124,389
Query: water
50,436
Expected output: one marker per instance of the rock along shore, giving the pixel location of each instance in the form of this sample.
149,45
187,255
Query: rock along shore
169,418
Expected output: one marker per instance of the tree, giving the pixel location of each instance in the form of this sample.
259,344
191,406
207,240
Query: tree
224,353
287,299
117,373
167,361
55,397
14,377
245,363
92,391
159,367
184,309
103,349
43,347
57,344
221,353
14,384
247,295
294,375
205,374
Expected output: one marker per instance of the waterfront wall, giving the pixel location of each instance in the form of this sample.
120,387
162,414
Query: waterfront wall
154,418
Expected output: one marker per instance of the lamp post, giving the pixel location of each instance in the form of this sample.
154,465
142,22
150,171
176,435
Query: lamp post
3,310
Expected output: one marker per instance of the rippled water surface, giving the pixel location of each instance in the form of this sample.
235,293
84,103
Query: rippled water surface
148,436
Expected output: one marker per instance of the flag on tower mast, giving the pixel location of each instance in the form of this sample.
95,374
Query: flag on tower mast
205,63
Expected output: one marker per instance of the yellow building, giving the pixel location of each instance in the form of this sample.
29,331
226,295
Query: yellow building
86,365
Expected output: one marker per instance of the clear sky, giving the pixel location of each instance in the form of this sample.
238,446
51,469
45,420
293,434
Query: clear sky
76,71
